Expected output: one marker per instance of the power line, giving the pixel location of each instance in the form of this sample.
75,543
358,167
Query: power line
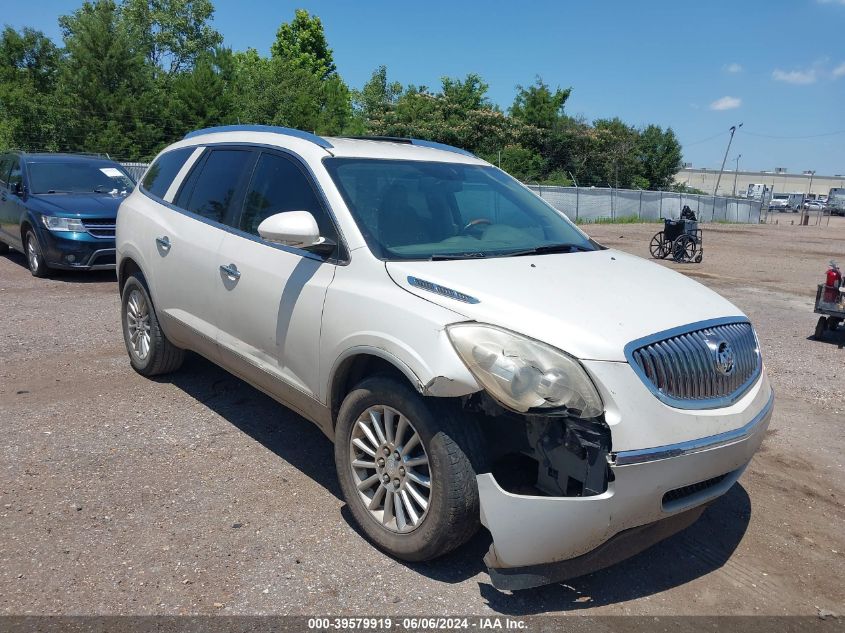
794,138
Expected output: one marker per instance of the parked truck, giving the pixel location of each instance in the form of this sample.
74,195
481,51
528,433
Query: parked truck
836,201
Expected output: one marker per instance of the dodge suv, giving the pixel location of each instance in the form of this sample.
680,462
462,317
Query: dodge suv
59,209
474,356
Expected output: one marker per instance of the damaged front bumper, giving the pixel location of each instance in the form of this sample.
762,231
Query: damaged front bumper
653,493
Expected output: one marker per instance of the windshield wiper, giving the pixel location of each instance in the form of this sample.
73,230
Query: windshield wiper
447,257
550,248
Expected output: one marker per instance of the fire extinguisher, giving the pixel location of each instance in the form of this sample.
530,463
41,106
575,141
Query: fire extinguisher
831,286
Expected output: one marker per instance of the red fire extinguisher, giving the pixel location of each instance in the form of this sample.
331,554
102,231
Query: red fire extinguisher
833,279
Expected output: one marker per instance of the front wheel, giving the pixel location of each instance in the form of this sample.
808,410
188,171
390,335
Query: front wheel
150,352
34,256
405,466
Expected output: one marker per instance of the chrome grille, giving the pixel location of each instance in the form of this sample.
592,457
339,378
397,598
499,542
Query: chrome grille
682,368
100,227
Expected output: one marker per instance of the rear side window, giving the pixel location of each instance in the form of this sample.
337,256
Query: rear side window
212,193
160,176
278,185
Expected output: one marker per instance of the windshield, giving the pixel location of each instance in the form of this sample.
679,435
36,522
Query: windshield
78,177
428,210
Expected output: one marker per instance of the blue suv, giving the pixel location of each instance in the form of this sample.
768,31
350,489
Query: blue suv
60,209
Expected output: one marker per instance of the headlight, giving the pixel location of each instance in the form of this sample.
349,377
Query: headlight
63,224
522,373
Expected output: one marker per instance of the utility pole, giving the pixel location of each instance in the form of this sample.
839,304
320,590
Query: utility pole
724,160
736,173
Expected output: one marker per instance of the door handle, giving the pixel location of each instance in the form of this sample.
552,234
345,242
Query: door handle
164,242
231,271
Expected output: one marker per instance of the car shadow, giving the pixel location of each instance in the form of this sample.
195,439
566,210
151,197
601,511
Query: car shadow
290,436
699,550
67,276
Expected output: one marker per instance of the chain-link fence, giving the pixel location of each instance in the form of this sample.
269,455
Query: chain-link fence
595,204
136,170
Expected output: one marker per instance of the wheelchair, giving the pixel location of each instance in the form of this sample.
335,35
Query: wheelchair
682,239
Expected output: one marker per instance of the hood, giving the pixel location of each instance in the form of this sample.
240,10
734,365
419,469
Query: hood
587,304
77,205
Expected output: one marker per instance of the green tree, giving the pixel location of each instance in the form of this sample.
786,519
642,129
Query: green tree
377,96
29,64
203,96
659,156
173,34
538,105
302,43
109,84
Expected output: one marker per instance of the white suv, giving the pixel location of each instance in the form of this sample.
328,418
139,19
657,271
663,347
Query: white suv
474,356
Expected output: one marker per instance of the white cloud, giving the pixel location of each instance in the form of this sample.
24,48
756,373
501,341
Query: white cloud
839,71
726,103
799,77
733,68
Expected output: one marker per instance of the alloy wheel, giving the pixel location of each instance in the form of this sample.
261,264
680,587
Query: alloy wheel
390,468
32,254
138,324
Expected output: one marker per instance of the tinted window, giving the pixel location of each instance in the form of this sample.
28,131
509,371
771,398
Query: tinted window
15,175
160,176
78,176
212,192
279,185
5,164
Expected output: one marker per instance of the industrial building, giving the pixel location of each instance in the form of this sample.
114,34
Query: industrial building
778,180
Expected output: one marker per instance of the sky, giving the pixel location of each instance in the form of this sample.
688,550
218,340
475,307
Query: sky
776,66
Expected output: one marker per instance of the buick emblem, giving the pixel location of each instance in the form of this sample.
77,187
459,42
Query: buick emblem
724,358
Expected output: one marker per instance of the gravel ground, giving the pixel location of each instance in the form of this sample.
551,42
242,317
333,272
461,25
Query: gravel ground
197,494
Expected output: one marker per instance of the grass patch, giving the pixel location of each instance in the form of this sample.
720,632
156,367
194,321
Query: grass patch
623,219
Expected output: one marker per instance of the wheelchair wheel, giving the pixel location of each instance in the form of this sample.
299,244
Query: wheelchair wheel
659,247
684,248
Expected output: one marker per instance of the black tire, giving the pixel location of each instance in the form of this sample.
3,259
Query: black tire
454,450
658,247
161,356
34,255
684,248
821,326
833,323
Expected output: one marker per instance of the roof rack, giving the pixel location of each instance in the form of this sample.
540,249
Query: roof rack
272,129
415,141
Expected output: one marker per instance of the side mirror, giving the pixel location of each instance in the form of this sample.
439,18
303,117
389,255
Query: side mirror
17,189
292,228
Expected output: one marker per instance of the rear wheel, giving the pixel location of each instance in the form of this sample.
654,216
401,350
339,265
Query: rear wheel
34,256
821,326
404,465
150,352
684,248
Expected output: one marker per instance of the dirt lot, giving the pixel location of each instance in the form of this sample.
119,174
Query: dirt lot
197,494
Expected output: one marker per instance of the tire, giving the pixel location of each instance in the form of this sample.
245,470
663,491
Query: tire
34,256
821,326
658,247
684,249
451,447
150,352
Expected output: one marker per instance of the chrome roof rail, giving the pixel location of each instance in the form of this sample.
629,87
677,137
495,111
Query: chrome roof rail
271,129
